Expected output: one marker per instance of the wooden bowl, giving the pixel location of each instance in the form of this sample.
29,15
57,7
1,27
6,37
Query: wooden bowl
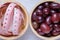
25,20
45,38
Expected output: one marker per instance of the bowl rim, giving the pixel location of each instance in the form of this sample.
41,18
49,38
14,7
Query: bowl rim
33,30
26,26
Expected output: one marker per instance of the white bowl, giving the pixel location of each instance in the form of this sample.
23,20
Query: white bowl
45,38
25,20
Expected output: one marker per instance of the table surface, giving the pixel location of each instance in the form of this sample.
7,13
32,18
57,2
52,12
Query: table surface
29,35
